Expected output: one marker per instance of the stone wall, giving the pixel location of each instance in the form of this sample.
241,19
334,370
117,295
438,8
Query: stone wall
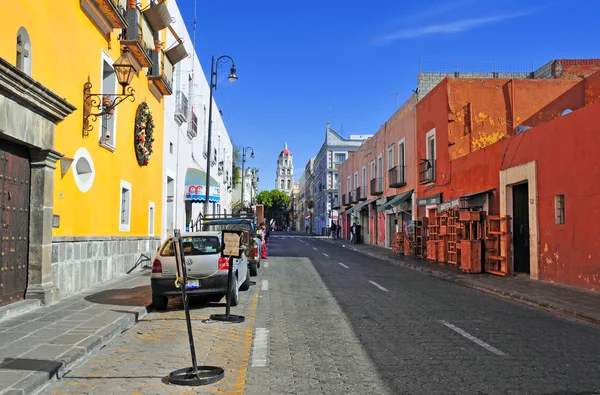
78,263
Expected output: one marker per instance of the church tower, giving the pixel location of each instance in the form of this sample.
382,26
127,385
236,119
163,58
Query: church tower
284,180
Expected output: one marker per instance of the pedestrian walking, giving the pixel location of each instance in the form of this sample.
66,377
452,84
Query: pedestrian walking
353,234
333,230
264,243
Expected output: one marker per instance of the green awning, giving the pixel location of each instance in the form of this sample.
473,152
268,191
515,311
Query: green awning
395,201
359,206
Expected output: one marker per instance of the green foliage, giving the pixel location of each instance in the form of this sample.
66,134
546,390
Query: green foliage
236,175
275,202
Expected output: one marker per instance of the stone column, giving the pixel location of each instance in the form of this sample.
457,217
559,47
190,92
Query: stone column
40,286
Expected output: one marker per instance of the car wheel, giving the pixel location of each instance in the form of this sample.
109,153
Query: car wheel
160,302
253,270
234,292
246,284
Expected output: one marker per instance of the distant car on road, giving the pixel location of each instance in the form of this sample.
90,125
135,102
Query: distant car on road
206,270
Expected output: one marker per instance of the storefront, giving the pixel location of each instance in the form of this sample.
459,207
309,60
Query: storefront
195,192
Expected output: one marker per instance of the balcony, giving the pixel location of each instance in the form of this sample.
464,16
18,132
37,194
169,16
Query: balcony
397,176
345,201
376,186
193,126
106,14
138,37
353,197
427,171
161,73
361,192
335,203
181,107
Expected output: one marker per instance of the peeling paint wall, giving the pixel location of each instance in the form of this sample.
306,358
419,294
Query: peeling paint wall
483,112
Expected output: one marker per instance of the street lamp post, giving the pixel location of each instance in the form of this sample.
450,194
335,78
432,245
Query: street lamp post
243,173
213,85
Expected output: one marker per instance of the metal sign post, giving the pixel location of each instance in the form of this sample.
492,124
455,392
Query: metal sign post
195,375
231,248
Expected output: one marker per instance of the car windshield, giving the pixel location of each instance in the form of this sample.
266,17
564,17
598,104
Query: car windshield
194,245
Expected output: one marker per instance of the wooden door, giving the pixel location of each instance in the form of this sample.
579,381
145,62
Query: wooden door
14,216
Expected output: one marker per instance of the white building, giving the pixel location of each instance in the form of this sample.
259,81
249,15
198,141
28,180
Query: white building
284,179
186,138
250,181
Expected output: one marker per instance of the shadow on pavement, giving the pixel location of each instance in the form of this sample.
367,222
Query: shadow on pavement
139,296
32,365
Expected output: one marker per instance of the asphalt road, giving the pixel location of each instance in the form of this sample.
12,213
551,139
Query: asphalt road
334,321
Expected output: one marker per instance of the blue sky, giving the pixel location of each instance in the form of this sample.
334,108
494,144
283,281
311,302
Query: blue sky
354,62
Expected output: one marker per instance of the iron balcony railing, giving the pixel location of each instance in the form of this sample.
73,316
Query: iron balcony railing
397,176
181,107
353,197
427,171
345,200
361,192
335,203
193,126
376,186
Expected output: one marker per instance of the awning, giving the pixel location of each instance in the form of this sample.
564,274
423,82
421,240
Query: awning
195,186
477,199
395,201
359,206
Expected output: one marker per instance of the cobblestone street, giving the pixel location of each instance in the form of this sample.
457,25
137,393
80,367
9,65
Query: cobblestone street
321,319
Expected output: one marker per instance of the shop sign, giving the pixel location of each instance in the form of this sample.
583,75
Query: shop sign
442,207
430,200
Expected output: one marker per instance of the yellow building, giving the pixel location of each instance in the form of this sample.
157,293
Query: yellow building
89,200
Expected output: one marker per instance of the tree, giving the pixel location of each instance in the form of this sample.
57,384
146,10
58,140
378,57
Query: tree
275,202
236,172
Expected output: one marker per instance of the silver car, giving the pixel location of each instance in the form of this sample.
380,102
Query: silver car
206,270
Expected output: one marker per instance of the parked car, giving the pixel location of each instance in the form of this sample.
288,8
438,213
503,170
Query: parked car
253,243
206,270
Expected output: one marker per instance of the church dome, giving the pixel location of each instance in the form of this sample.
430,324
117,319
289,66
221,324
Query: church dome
286,151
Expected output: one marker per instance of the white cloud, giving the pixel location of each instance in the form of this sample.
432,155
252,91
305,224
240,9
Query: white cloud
447,28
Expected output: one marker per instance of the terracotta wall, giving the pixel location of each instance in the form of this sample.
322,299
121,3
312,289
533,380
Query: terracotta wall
566,152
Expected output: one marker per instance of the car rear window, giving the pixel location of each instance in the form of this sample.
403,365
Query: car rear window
194,245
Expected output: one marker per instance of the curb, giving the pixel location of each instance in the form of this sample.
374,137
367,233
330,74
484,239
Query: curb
514,296
77,354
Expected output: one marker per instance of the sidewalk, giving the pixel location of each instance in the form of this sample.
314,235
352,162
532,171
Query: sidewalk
38,346
567,301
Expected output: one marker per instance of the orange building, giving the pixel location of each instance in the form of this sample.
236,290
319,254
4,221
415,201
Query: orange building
522,149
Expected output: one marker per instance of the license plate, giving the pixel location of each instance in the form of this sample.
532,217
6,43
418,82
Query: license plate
192,284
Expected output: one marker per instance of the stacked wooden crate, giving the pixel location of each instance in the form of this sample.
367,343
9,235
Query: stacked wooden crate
398,243
470,246
432,237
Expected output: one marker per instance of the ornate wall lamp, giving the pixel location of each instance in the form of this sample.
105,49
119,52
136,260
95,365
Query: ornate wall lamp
106,103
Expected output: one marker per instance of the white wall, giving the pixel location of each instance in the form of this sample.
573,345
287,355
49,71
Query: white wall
188,152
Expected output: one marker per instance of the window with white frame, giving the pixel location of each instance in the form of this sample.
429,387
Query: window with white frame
125,207
390,157
335,179
356,180
151,215
364,177
380,166
339,157
373,169
430,147
402,153
108,87
348,185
